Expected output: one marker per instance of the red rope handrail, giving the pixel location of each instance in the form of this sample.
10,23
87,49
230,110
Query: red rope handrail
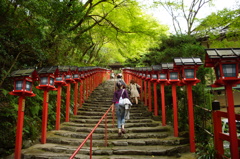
90,134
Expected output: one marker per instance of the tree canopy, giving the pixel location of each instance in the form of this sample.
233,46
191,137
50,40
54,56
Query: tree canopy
92,32
221,28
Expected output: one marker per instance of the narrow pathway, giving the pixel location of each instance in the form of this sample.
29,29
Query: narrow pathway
145,137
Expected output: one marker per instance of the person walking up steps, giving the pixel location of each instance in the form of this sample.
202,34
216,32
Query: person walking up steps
120,111
134,94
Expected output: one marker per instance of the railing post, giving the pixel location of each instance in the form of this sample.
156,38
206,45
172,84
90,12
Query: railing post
217,128
113,116
90,136
90,147
232,121
105,137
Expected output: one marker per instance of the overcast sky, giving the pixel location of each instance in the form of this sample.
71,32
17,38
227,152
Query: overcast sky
164,18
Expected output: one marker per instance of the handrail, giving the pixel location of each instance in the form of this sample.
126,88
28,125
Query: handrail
90,134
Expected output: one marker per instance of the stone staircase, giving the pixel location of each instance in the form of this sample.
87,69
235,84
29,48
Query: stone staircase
145,137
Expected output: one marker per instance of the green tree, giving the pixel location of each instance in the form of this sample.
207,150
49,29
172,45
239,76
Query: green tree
220,29
40,33
173,46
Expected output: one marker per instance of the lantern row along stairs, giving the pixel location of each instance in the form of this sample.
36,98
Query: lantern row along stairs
48,78
145,137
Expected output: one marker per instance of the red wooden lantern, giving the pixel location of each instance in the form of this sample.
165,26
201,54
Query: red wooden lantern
46,78
23,80
188,68
226,65
173,74
77,79
144,76
69,79
154,79
163,73
171,78
59,82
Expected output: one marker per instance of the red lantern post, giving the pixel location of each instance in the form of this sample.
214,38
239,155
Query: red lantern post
163,80
173,80
226,65
188,68
76,78
144,76
69,79
23,80
88,83
148,78
154,79
141,79
46,78
81,91
59,82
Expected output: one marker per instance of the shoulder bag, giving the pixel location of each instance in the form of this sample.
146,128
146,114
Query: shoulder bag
124,102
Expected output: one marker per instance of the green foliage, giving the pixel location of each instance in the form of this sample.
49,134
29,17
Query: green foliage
221,29
206,150
173,46
42,33
8,116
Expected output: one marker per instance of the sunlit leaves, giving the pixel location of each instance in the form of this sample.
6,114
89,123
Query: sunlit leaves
221,28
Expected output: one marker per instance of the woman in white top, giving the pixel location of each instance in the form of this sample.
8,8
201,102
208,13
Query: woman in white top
134,94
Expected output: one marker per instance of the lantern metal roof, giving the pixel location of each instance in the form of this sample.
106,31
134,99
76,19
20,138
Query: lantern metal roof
215,55
23,72
144,68
223,53
51,69
166,66
156,68
73,68
187,61
80,69
63,68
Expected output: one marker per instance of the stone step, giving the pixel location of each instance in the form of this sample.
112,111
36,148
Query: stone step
112,135
102,125
102,130
95,121
103,108
65,151
111,141
144,138
133,115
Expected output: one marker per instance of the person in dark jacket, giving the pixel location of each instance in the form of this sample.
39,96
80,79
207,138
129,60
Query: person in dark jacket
120,111
119,79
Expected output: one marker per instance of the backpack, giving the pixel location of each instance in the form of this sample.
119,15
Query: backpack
123,83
